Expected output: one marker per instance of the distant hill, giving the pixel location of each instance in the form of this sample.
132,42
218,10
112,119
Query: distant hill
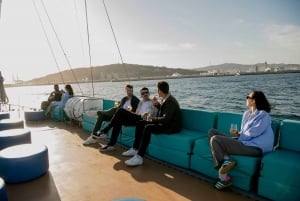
113,72
126,72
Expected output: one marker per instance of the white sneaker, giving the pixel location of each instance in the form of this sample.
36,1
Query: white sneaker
107,148
130,152
90,140
100,135
134,161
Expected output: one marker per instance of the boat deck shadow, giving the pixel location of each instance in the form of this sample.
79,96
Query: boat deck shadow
28,190
79,172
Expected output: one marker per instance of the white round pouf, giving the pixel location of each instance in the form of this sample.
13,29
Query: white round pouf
6,124
24,162
13,137
3,193
34,115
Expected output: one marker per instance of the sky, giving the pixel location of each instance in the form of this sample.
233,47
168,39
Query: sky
40,37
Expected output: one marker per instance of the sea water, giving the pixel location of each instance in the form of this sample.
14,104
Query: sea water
219,93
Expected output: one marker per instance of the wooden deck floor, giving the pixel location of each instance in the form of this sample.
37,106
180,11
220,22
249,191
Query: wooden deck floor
82,173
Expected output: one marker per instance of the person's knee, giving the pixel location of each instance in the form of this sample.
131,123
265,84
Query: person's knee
211,132
99,113
149,128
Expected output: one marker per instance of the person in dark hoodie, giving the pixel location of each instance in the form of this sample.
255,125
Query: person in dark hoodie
129,102
168,121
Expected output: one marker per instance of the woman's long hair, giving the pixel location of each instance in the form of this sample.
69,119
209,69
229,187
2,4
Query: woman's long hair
261,101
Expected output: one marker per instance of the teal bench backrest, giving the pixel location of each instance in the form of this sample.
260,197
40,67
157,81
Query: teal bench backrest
107,104
275,126
198,120
224,120
290,135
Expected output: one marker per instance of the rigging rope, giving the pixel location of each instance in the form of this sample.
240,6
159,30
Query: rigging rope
62,49
48,41
115,38
89,45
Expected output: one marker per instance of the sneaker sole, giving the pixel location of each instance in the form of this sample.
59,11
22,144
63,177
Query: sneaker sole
89,143
227,168
106,150
103,136
132,165
128,155
222,186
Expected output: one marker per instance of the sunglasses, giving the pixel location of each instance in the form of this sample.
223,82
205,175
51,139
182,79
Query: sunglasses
249,97
145,92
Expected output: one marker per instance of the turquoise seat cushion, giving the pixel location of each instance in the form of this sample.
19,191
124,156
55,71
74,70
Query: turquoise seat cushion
182,141
290,135
242,181
247,165
88,126
89,119
198,120
225,119
282,166
277,191
204,165
128,131
88,122
107,104
126,140
126,136
57,113
175,157
202,148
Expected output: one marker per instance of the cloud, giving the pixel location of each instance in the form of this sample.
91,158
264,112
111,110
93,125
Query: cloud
283,36
187,45
239,44
163,47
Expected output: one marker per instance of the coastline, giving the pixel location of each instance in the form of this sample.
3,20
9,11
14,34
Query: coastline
28,83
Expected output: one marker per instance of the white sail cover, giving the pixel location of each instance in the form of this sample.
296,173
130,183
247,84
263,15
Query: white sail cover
77,105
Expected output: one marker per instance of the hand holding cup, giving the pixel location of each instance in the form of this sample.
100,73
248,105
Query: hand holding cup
233,129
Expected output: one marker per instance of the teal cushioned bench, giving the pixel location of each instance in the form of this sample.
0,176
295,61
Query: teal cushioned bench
126,136
201,160
244,175
89,121
280,173
58,114
177,148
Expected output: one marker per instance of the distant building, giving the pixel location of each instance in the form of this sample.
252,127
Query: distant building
176,74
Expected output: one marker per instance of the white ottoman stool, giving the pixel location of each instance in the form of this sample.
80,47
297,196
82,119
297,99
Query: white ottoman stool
4,115
6,124
34,115
13,137
24,162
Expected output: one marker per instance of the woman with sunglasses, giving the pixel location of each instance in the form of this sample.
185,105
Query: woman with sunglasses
128,118
255,138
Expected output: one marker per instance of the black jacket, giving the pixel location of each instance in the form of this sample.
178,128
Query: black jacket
134,102
169,115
